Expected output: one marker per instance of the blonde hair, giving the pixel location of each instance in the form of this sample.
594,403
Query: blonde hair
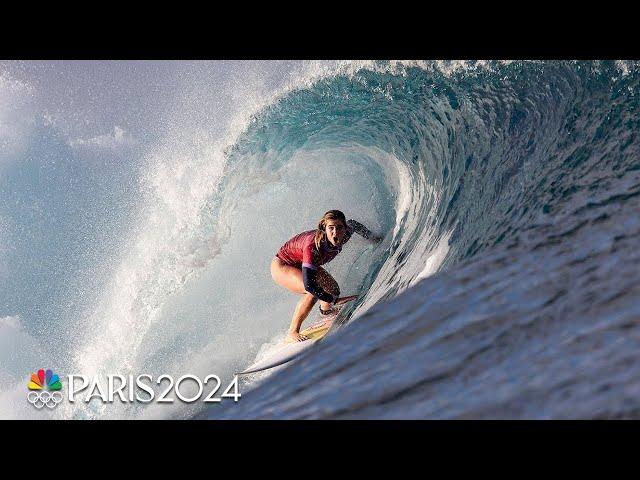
330,215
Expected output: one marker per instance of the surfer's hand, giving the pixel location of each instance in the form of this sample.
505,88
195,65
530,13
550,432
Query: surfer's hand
296,337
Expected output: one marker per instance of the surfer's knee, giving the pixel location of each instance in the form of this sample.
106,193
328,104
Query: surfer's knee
328,283
310,298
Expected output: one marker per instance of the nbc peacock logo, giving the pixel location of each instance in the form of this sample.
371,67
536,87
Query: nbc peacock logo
44,389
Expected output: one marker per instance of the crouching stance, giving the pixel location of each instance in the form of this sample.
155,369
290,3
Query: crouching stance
297,266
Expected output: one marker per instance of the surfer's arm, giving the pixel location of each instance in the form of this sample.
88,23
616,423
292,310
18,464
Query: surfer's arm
363,231
311,285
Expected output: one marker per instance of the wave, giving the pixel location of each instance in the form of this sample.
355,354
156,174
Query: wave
518,178
449,160
448,164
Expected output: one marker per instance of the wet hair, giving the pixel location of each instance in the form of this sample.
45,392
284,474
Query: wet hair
330,215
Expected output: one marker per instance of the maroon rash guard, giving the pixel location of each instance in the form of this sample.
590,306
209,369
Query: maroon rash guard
301,252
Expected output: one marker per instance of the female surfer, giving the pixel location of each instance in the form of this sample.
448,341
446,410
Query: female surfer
297,266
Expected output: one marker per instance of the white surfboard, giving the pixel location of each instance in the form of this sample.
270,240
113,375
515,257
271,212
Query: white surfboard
288,351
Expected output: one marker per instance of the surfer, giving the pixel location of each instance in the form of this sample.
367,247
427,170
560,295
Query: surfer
297,266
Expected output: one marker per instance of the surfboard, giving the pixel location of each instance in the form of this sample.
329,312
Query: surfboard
288,351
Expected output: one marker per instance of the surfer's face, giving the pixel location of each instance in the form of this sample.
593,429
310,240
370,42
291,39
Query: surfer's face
335,231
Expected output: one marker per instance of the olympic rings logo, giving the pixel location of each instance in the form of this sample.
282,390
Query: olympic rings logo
40,399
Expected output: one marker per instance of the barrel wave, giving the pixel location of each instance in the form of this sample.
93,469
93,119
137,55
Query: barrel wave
505,161
506,285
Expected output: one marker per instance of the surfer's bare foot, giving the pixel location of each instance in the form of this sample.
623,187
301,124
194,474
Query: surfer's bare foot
296,337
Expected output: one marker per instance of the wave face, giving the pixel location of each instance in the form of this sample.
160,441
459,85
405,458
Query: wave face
452,161
471,158
515,178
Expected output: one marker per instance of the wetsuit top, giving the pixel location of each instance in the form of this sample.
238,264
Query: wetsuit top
301,252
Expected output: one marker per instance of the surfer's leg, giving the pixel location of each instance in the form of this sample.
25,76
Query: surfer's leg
290,278
304,306
287,276
328,284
